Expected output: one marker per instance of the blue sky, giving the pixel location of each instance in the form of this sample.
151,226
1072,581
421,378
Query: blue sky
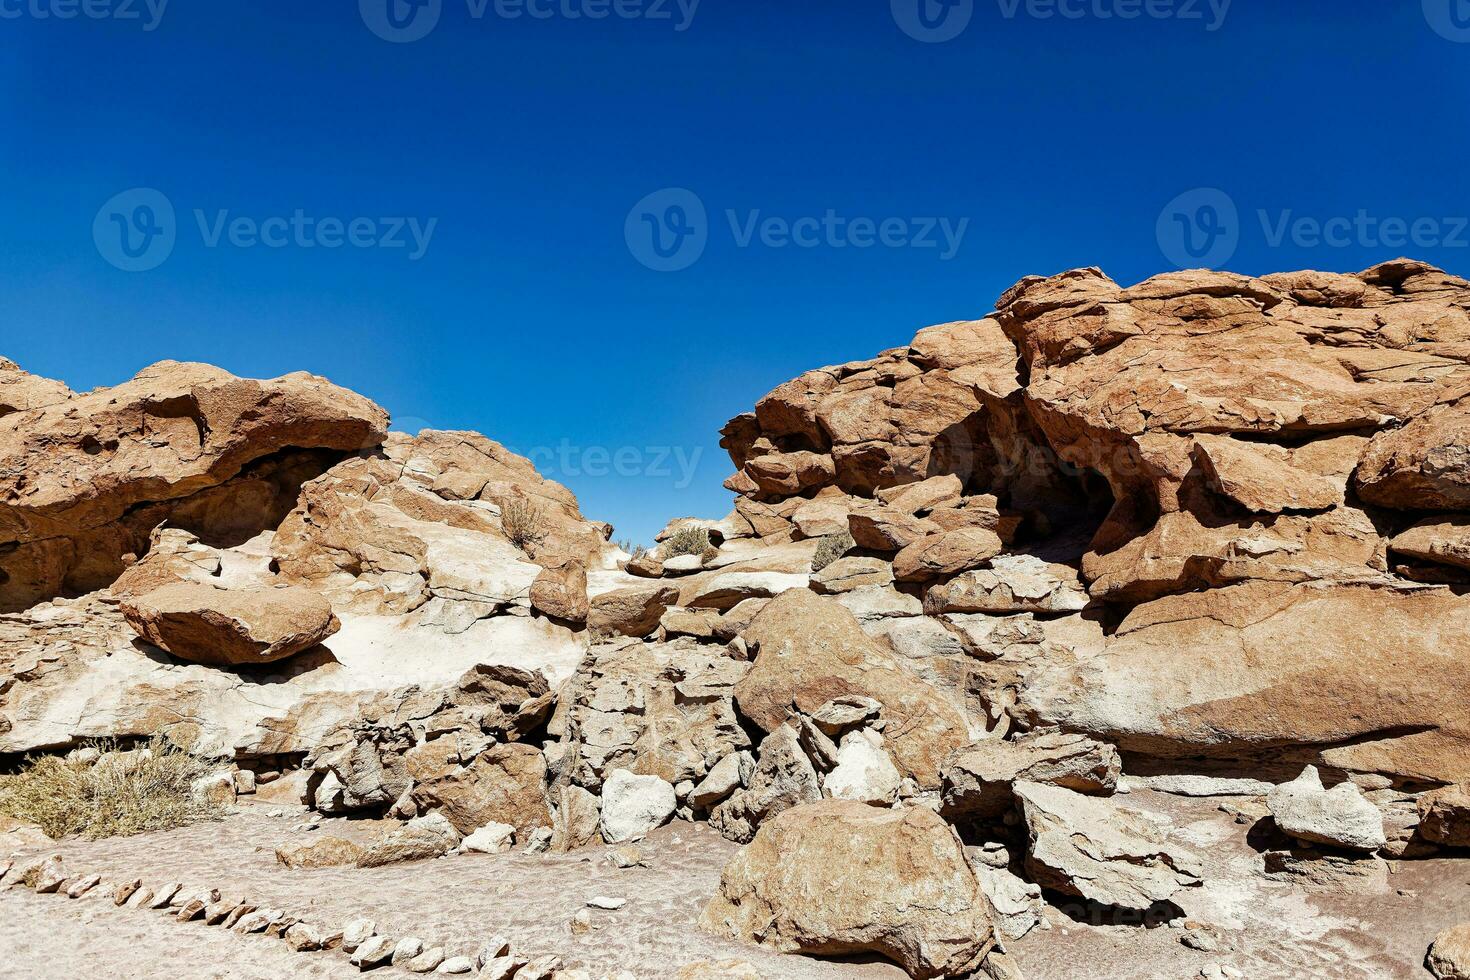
829,145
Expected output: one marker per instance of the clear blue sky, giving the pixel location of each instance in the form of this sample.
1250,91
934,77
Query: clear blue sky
529,140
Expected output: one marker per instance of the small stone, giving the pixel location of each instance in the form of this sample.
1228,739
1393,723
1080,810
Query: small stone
50,875
456,965
541,968
83,885
1340,816
627,857
426,961
581,923
192,909
495,946
605,903
236,914
633,805
406,949
502,968
217,912
258,921
244,782
140,899
375,952
493,838
278,928
356,932
122,892
303,938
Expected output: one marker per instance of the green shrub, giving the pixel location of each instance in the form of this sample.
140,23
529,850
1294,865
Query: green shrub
522,522
122,794
686,541
831,548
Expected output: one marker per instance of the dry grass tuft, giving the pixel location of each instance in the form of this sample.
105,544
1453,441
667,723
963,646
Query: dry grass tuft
831,548
122,794
686,541
523,523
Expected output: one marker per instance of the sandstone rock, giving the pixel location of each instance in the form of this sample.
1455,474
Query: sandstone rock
492,838
1446,542
846,574
83,885
231,627
1012,584
633,611
908,893
88,478
321,852
455,966
783,777
729,589
406,949
377,951
1236,673
1083,846
491,949
1444,816
633,805
576,820
1339,816
504,784
723,779
427,961
541,968
978,780
702,624
876,603
811,651
1421,466
421,838
356,932
49,875
560,591
1261,478
946,553
304,938
1449,955
913,498
1016,905
886,529
864,772
24,392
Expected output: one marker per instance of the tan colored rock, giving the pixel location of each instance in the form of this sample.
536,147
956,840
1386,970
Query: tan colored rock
86,479
908,893
1449,954
888,530
1088,847
812,651
1012,584
238,627
632,611
786,474
1261,478
1361,677
914,498
560,591
846,574
1424,465
23,392
1446,542
505,784
321,852
418,840
1444,815
947,553
783,777
978,780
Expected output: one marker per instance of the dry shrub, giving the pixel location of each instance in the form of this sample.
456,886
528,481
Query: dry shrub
122,794
523,523
831,548
687,541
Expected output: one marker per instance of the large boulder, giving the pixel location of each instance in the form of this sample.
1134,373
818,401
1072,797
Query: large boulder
633,805
811,650
906,891
978,780
1364,677
239,627
85,479
1444,816
631,611
505,784
1087,847
1339,817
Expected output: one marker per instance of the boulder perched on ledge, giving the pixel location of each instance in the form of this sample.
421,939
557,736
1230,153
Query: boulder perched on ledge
239,627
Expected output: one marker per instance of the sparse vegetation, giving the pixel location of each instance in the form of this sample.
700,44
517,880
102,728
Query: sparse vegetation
121,794
523,523
686,541
831,548
633,549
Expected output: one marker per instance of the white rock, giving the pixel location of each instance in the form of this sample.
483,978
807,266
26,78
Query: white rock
1339,816
357,932
722,780
634,805
455,965
1186,785
864,771
375,952
492,838
1017,903
606,903
492,948
406,949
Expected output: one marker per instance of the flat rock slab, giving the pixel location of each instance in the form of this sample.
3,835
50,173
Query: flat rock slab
238,627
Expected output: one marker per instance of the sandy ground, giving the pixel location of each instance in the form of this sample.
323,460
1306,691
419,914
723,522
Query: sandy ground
1271,929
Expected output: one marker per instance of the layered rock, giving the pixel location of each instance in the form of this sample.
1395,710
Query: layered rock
85,479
